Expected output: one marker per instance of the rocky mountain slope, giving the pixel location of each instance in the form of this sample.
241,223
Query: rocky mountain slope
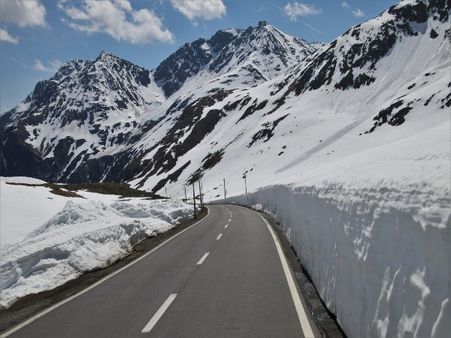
88,107
358,92
107,119
81,122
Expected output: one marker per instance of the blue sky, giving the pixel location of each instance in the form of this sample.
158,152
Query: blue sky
36,36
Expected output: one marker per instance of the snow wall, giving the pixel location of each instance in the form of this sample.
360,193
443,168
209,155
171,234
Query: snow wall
379,258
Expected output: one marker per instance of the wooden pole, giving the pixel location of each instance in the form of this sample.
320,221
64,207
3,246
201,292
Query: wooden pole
224,184
186,197
202,191
200,195
245,184
194,201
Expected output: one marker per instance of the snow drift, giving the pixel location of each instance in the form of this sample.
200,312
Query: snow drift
379,257
81,237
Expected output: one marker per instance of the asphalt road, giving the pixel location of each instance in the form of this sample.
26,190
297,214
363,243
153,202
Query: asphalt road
222,277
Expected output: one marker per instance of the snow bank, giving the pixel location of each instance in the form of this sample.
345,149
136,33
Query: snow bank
379,256
25,206
83,236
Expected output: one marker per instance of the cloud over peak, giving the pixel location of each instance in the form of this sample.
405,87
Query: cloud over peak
202,9
24,13
117,19
358,13
298,9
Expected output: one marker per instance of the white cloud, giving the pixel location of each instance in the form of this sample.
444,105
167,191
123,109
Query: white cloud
298,9
358,13
6,37
345,4
203,9
116,18
51,66
22,12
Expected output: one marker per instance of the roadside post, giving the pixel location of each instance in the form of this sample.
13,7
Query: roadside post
225,191
194,201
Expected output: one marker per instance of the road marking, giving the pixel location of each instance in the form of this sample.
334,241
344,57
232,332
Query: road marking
203,258
219,237
156,317
226,226
302,316
230,219
104,279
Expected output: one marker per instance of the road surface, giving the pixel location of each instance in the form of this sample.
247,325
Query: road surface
222,277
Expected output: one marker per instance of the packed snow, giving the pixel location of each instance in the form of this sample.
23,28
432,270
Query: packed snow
70,236
379,256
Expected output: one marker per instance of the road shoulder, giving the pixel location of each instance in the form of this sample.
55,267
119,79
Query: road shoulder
324,322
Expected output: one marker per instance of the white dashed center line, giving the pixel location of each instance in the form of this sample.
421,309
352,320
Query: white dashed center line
203,258
219,237
156,317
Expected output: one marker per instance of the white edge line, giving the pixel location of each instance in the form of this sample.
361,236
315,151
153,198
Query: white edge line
302,315
156,317
203,258
219,236
57,305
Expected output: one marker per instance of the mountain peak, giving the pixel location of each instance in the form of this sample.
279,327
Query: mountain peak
258,53
105,56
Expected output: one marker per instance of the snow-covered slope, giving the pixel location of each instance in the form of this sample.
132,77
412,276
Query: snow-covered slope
309,118
233,57
79,125
49,239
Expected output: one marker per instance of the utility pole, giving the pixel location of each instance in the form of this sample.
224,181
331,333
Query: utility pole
202,191
165,192
245,183
186,197
194,201
200,195
225,191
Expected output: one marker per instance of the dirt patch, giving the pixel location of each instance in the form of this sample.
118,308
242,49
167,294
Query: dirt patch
107,188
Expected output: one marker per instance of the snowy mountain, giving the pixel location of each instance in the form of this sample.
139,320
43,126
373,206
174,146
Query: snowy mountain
347,143
87,107
247,57
107,119
78,125
348,94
